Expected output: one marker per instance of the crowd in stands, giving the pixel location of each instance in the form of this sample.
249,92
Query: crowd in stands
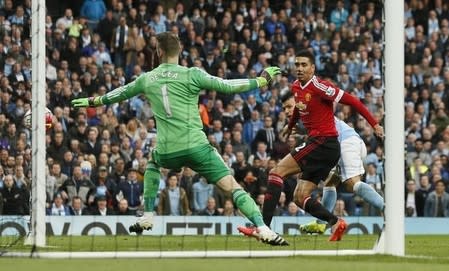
96,157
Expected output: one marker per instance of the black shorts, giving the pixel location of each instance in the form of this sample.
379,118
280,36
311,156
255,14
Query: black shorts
316,157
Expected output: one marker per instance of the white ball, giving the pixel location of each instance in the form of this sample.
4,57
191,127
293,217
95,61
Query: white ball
27,121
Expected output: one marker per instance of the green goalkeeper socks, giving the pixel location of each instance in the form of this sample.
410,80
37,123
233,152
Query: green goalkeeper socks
248,207
150,188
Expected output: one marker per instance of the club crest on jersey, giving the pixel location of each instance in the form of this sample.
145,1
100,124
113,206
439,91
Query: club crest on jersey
308,97
301,106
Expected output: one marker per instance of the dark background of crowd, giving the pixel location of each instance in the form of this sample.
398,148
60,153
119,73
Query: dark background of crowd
97,157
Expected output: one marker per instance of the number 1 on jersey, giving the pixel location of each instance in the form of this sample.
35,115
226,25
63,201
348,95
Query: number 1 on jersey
165,100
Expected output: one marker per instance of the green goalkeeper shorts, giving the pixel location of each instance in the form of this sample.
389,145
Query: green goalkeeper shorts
203,159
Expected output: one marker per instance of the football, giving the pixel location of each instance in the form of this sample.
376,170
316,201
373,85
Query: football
48,119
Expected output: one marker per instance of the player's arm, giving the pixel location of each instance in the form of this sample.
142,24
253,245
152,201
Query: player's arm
117,95
294,118
335,94
361,108
288,129
207,81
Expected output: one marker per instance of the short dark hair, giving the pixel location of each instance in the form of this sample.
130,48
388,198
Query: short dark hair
308,54
169,43
286,97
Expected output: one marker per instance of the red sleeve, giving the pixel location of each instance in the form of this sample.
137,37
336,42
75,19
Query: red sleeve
294,118
326,89
361,108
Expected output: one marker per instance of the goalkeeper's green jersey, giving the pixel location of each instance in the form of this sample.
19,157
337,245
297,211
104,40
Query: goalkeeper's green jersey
172,91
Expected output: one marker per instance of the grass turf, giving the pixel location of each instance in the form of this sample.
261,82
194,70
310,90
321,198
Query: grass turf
433,252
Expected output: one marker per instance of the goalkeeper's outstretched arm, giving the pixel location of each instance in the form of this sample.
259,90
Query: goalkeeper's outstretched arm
117,95
207,81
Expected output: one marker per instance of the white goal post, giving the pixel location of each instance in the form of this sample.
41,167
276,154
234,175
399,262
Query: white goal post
394,127
392,242
38,107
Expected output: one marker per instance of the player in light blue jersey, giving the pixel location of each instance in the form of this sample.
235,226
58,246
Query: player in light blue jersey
353,152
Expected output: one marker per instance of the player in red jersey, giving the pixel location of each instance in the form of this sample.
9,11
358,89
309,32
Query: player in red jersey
320,153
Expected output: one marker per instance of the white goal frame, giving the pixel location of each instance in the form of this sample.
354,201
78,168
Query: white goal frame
391,243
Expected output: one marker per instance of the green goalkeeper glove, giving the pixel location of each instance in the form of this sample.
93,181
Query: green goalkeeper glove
267,75
87,102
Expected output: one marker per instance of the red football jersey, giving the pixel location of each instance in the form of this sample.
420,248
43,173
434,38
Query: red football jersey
314,102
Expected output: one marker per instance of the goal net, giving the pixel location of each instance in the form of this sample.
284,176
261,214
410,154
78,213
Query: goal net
38,235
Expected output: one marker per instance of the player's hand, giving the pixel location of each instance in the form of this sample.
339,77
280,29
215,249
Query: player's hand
86,102
269,73
286,132
80,102
379,131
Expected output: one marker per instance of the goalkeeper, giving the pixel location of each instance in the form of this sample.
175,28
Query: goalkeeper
173,93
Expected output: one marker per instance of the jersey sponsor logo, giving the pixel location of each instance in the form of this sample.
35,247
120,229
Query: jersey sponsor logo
301,106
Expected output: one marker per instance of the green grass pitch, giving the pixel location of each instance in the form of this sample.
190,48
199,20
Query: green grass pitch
432,253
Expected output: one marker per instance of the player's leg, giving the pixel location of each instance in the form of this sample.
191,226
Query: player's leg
209,164
329,190
328,201
317,162
303,198
150,188
353,152
286,167
249,208
365,191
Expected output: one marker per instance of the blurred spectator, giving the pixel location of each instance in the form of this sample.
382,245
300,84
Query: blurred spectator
122,208
229,209
293,210
173,199
282,206
14,199
94,11
425,187
437,202
372,178
101,207
131,190
210,209
266,135
65,21
340,209
251,127
105,186
419,151
118,41
188,178
202,191
76,207
134,44
79,185
417,169
58,208
106,28
410,199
